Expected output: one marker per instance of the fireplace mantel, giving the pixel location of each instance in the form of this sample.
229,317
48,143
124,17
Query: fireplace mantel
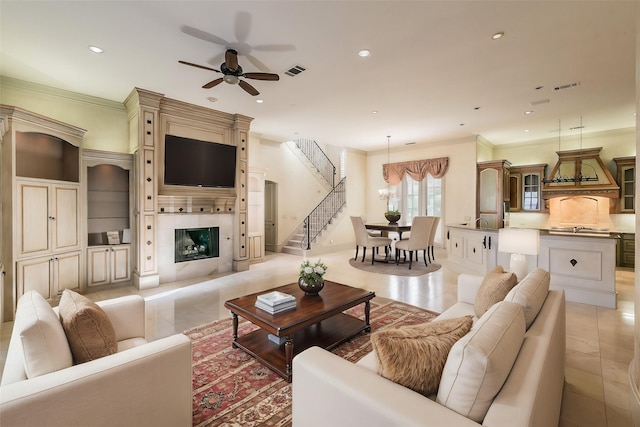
151,117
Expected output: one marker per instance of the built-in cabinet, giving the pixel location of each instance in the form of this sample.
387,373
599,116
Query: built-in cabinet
493,192
626,174
108,179
108,264
41,205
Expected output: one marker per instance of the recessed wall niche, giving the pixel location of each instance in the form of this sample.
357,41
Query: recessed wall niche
107,202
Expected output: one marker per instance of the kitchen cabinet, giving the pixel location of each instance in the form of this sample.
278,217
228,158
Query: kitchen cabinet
584,267
492,192
627,250
626,174
525,188
472,250
108,264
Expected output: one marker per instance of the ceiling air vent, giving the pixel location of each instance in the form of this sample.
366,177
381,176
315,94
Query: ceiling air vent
567,86
295,70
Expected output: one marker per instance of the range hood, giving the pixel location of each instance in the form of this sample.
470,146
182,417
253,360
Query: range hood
580,173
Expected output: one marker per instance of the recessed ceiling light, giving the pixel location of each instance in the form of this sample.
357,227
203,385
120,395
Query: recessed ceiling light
526,113
526,130
364,53
259,101
374,112
95,49
212,99
497,35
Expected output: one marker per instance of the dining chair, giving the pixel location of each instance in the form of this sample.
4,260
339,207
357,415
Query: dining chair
366,241
418,240
432,237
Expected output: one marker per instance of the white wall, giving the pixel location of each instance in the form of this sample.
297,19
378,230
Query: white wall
105,121
459,182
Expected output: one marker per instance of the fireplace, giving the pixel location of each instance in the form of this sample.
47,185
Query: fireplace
193,244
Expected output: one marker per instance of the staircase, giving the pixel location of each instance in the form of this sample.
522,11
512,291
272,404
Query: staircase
327,210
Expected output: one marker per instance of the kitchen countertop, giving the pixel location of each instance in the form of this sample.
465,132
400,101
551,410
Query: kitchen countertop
555,231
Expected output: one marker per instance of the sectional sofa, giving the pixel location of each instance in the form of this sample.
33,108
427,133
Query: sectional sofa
522,338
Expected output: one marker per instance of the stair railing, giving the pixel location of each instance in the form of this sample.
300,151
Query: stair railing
321,216
318,158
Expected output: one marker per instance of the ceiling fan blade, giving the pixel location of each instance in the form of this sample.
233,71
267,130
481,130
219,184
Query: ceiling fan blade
248,88
212,83
203,35
198,66
231,59
262,76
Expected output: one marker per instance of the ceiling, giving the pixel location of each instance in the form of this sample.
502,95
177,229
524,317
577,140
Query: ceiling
434,73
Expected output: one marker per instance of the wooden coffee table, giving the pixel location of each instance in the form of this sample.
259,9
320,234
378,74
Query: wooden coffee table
316,321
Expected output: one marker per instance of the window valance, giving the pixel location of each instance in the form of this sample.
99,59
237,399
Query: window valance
417,169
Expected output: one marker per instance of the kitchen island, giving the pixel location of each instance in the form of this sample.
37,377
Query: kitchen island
583,263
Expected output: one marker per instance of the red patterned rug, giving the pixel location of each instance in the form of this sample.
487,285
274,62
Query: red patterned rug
231,388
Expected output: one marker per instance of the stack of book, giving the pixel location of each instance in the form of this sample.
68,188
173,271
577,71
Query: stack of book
275,302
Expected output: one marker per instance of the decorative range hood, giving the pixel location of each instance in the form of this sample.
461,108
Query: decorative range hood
580,173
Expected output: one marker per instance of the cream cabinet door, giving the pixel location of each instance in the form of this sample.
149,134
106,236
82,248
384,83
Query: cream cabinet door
33,218
35,274
66,271
64,214
120,263
98,266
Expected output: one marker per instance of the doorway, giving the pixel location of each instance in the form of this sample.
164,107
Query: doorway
270,216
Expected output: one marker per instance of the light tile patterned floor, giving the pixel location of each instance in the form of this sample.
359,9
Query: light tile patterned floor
599,341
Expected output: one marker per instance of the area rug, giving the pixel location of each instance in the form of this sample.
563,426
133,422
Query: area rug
417,268
230,388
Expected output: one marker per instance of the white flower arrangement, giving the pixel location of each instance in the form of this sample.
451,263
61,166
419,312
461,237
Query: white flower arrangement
312,272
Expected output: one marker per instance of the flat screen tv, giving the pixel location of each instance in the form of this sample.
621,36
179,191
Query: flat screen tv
194,163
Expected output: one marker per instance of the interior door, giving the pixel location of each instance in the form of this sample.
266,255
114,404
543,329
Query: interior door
270,215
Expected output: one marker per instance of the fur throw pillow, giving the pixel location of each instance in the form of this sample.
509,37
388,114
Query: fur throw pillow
414,356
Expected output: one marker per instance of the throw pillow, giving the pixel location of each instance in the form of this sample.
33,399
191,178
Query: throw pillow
495,286
480,362
414,356
530,293
44,344
88,328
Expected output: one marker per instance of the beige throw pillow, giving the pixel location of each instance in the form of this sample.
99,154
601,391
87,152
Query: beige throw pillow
88,328
414,356
495,286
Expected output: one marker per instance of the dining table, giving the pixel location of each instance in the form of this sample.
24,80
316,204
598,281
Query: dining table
385,228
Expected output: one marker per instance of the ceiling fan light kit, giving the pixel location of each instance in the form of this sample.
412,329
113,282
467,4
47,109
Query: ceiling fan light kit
232,72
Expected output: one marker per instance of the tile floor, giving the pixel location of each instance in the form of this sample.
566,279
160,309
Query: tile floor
599,341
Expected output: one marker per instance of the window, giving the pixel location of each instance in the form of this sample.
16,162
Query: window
413,198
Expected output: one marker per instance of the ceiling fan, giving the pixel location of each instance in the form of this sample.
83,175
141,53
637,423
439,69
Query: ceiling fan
232,72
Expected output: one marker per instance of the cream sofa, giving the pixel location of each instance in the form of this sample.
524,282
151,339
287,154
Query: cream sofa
144,383
330,391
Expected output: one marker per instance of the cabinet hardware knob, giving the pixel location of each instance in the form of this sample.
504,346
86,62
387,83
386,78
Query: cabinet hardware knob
148,242
474,250
573,262
148,258
148,179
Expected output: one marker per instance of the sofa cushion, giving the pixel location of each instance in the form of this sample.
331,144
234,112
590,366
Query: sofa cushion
495,286
531,293
414,356
88,328
479,363
44,344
